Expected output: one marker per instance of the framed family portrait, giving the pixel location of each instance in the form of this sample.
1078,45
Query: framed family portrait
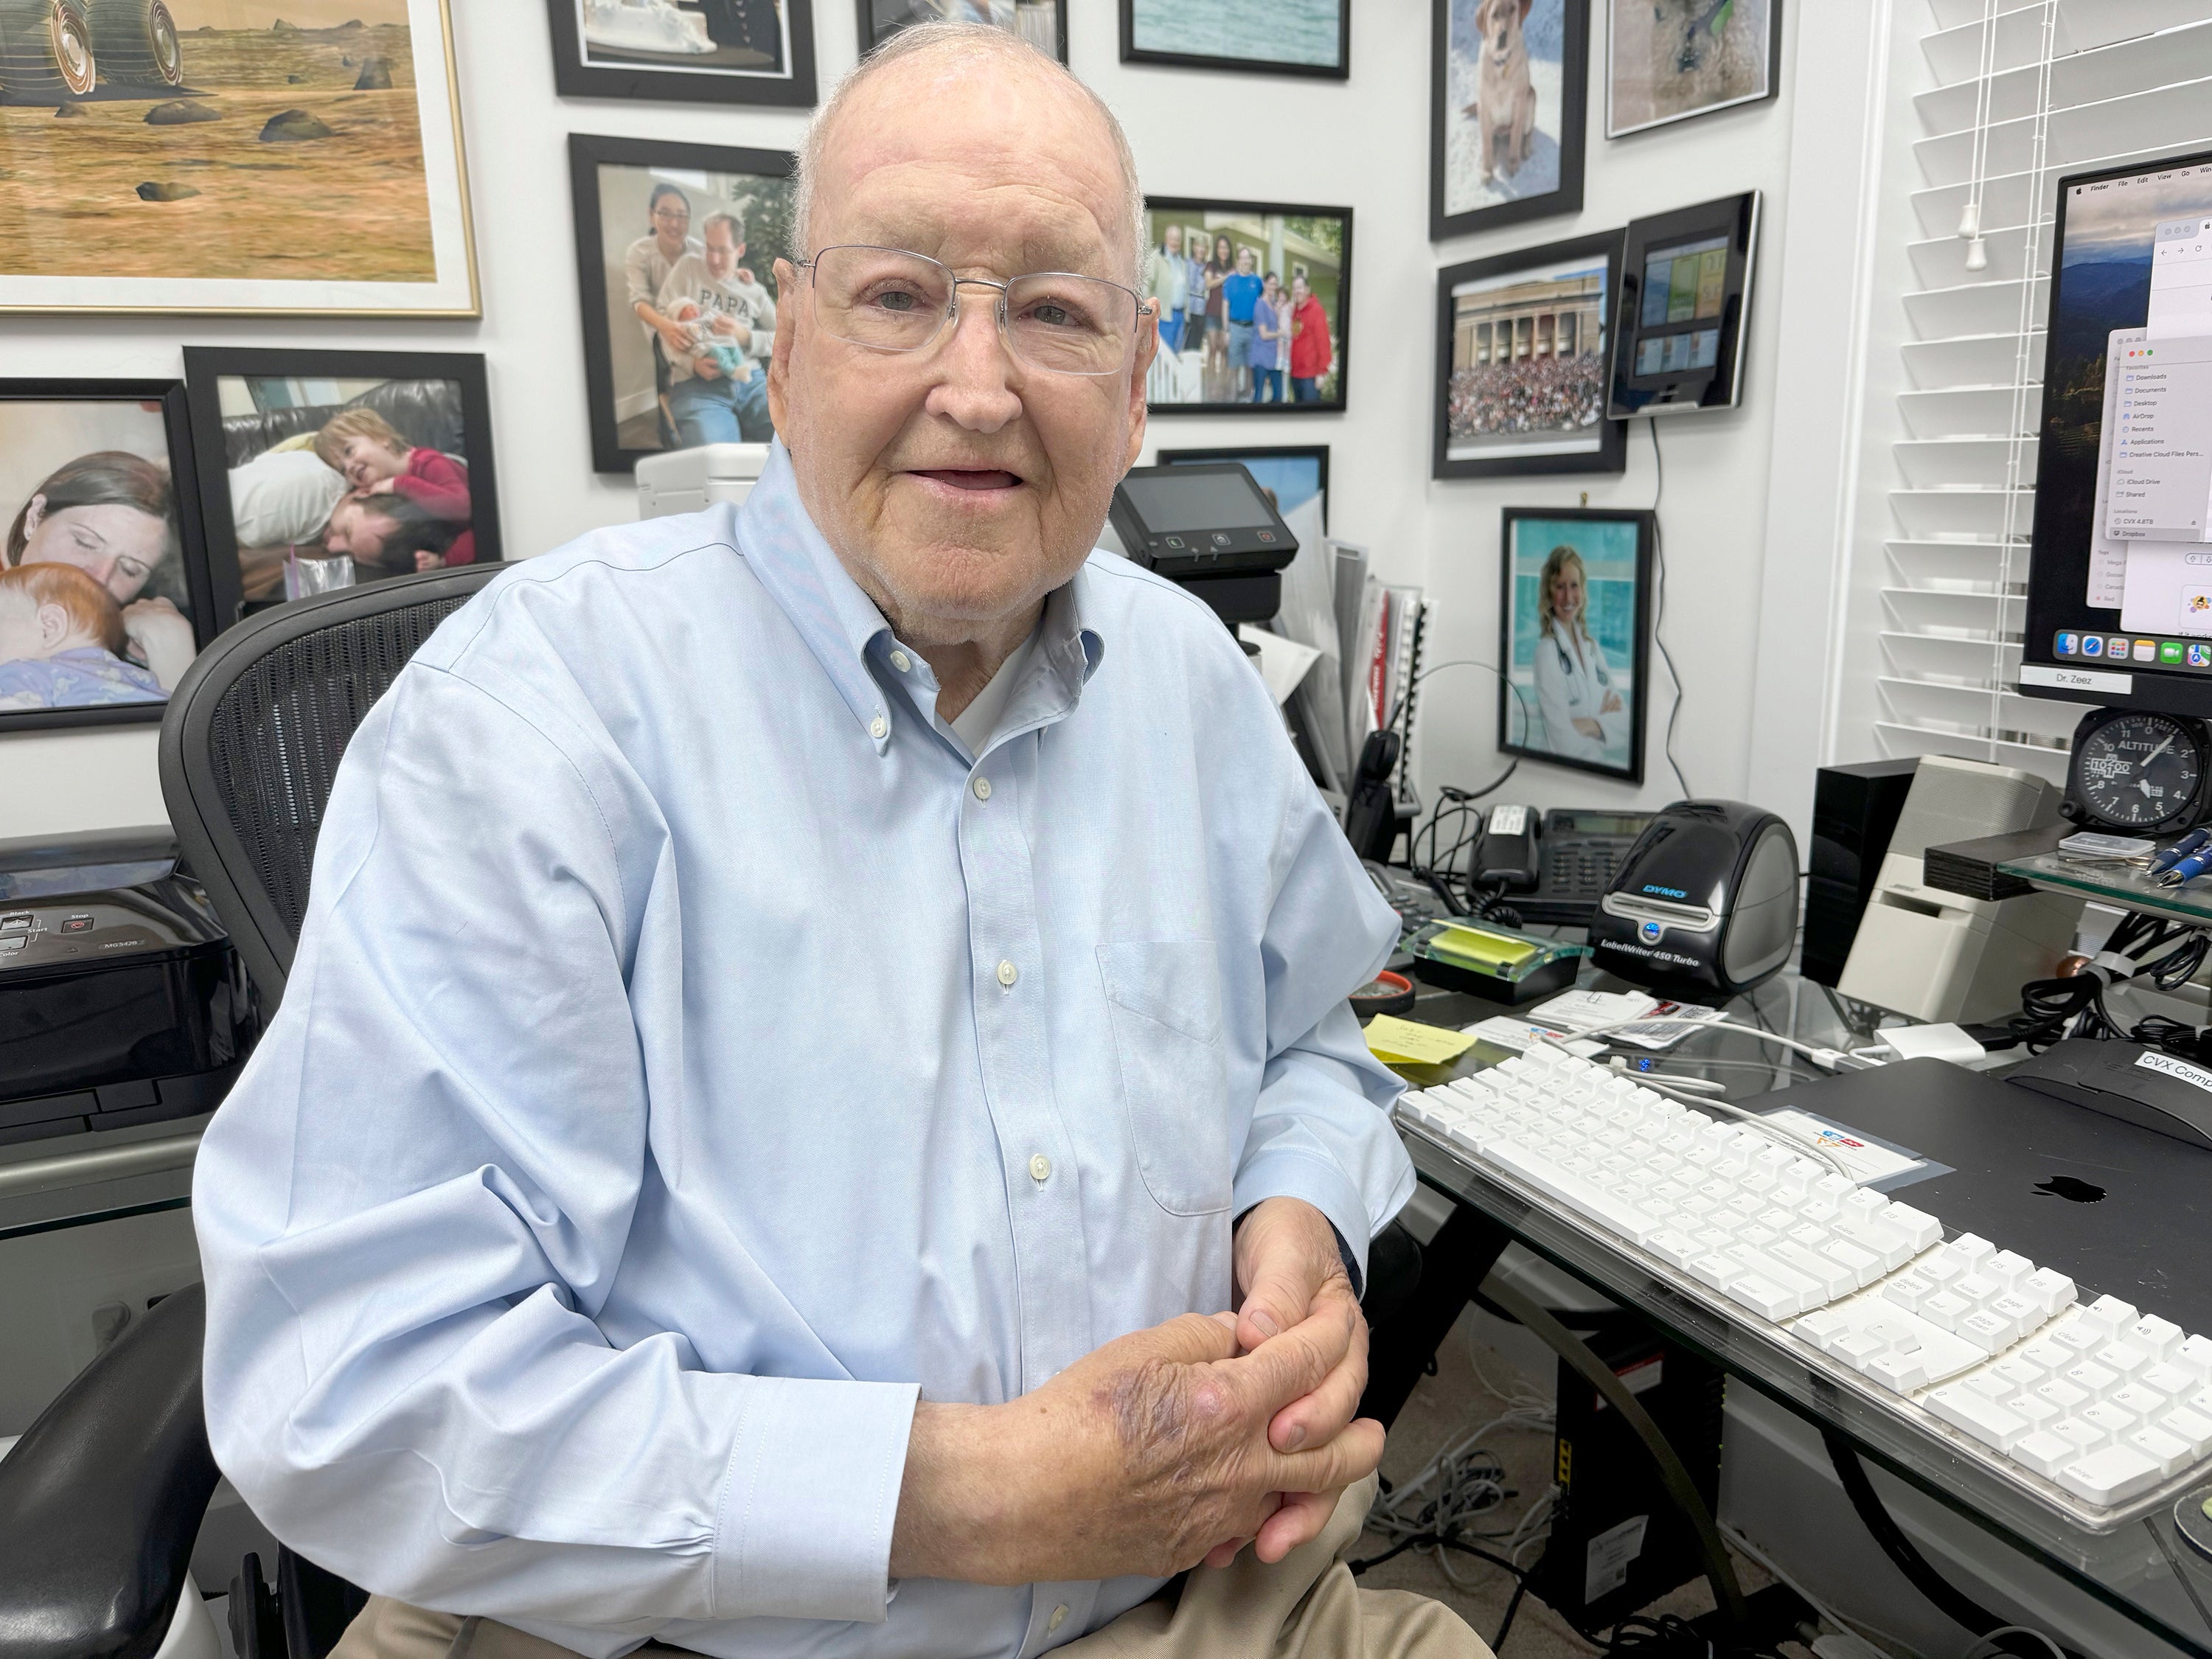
189,156
1289,475
1524,362
1043,23
1668,60
1506,112
676,245
104,592
696,52
1575,618
1288,37
1255,303
322,469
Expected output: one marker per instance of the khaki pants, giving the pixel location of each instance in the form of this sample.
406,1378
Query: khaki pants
1307,1606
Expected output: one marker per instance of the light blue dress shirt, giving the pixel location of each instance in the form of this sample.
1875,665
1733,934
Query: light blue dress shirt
694,1054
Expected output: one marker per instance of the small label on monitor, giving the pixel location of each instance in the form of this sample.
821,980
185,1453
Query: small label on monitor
2076,680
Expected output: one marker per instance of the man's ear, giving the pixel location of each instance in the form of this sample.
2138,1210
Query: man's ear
55,625
788,315
1148,345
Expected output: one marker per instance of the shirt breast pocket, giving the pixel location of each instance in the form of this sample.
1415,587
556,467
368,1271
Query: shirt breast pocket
1164,1002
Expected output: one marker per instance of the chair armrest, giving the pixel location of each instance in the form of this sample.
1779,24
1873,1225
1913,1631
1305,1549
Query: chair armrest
102,1499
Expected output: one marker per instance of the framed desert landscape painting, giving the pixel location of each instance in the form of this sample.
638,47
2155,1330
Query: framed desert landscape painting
231,156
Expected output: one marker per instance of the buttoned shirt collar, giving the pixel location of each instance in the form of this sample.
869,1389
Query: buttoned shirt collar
848,634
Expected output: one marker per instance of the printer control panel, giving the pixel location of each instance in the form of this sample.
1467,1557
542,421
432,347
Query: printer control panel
78,932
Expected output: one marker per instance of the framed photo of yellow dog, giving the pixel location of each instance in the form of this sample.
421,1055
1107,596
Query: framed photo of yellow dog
1508,103
242,157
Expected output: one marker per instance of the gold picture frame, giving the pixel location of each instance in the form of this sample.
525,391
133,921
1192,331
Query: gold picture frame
353,129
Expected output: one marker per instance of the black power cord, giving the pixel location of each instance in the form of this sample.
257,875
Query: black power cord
1659,607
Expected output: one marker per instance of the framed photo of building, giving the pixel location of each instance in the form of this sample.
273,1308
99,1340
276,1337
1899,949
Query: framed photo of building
1255,305
674,248
204,160
717,52
1043,23
1523,363
104,592
1289,37
1576,626
1507,91
1291,475
1678,58
322,469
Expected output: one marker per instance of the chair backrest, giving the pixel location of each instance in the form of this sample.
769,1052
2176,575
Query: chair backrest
253,736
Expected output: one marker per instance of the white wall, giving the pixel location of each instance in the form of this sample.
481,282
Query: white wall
1362,143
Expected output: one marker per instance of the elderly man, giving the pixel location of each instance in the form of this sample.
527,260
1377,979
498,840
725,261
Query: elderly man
816,1110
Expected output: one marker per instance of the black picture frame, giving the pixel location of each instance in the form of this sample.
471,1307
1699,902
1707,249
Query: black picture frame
587,153
1528,701
207,365
192,547
1317,453
1340,71
1773,76
1574,122
573,77
870,37
1341,359
1610,453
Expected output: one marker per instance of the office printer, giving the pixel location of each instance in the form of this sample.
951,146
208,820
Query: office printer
121,999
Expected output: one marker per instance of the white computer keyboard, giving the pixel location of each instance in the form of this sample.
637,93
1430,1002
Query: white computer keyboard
2102,1400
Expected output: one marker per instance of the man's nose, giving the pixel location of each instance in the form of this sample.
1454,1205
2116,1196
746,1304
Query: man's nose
974,368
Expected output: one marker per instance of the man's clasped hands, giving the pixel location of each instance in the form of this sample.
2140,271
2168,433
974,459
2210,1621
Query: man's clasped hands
1165,1448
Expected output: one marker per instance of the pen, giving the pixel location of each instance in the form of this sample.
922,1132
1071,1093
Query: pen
2166,859
2190,868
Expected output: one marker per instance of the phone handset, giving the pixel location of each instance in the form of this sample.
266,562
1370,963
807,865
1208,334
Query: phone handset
1507,857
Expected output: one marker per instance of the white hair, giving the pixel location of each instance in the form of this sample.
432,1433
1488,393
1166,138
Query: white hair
965,41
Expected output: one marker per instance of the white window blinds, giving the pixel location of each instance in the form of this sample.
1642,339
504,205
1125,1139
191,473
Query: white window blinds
2015,95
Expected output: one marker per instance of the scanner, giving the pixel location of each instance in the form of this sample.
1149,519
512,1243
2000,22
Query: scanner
1209,528
2144,1086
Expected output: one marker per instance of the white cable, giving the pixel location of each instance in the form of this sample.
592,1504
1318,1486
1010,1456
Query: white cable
1976,1651
1825,1058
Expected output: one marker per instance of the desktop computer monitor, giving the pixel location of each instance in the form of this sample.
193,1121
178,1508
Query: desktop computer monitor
2119,592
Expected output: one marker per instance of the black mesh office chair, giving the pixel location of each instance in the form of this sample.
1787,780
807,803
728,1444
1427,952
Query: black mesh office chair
102,1497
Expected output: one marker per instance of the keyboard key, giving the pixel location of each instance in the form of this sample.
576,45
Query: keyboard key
2112,1475
2111,1419
1920,1229
2121,1357
2195,1357
1991,1385
1902,1372
1765,1297
2084,1437
2183,1423
1975,1288
1986,1331
2169,1380
2044,1452
1973,1249
2033,1408
2049,1290
2143,1402
2091,1378
2156,1337
2063,1394
2082,1336
2020,1371
1833,1278
1865,1267
1855,1348
1979,1415
1822,1325
1942,1267
2111,1315
2171,1454
2017,1311
1945,1310
1908,1290
2047,1354
2007,1268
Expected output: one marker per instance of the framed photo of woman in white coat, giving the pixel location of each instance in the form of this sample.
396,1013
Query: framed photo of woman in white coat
1575,617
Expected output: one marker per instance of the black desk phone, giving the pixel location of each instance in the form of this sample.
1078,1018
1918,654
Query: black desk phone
1552,867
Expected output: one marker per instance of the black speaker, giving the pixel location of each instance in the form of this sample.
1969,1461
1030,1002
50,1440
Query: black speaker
1855,809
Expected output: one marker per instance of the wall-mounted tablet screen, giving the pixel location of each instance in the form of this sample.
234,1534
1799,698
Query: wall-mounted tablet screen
1685,294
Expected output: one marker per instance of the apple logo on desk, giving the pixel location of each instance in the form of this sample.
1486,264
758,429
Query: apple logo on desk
2072,1188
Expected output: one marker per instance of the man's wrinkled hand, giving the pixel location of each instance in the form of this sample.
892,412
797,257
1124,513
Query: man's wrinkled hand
1145,1457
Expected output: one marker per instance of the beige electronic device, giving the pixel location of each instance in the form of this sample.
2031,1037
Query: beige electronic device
693,480
1934,954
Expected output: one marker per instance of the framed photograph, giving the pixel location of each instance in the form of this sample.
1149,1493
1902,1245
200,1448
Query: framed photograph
675,244
1290,37
1575,618
321,469
1289,475
1507,91
1043,23
104,594
1255,303
1523,360
1667,60
188,155
690,52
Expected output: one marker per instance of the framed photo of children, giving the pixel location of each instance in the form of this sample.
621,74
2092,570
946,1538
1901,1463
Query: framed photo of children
1507,92
240,157
1523,363
697,52
675,249
322,469
1255,307
1674,59
1285,37
104,594
1575,618
1043,23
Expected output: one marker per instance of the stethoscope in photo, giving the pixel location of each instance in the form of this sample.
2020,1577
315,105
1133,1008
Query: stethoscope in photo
1593,664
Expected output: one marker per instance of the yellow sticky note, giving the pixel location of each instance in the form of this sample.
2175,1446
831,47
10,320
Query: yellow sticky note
1407,1043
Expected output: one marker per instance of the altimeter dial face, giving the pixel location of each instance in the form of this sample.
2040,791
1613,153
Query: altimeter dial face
2139,771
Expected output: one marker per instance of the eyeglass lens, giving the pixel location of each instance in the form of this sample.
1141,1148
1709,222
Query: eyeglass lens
891,300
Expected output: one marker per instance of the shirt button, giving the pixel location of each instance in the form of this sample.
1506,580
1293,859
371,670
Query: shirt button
1041,1169
877,727
983,788
901,661
1059,1618
1007,974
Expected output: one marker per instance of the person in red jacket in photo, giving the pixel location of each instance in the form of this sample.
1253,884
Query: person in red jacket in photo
362,445
1311,352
